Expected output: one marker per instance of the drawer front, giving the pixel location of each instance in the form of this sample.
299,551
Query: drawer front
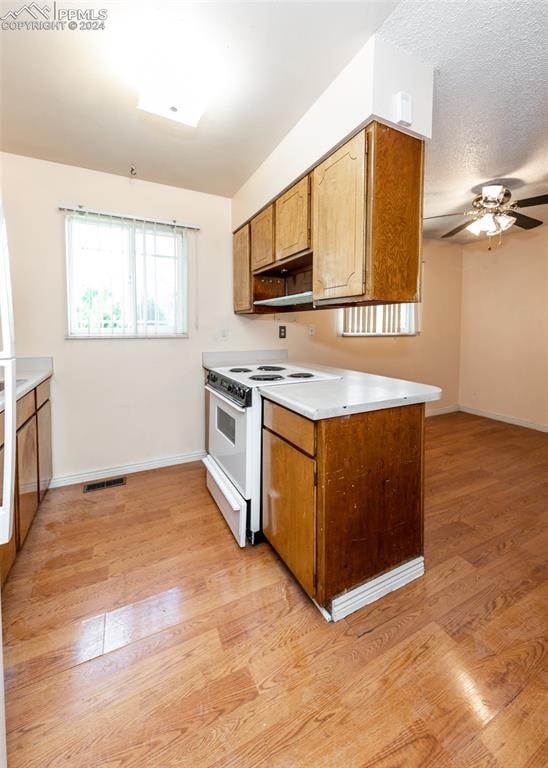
289,425
42,393
25,408
1,429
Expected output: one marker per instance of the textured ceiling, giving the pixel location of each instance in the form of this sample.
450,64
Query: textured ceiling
70,96
490,97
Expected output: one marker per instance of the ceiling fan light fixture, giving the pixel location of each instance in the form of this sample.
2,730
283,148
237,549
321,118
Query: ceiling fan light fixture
475,227
493,192
504,221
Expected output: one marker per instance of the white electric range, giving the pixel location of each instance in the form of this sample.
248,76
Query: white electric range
234,460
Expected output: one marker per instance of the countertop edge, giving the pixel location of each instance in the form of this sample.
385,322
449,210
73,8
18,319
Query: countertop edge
33,380
269,393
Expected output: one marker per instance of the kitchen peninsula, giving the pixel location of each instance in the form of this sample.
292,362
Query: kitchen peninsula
342,498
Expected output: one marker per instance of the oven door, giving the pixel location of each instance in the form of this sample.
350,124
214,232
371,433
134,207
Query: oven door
229,433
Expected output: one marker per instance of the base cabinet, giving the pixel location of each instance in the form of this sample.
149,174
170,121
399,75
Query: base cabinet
345,505
33,471
289,506
45,467
7,551
27,477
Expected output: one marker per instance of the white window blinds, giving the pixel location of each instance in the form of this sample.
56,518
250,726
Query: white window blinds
125,278
380,320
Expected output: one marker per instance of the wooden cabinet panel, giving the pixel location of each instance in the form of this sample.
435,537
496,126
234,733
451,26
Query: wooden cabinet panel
289,507
27,477
7,551
394,214
338,222
45,469
291,426
26,406
262,239
42,392
293,220
370,505
243,301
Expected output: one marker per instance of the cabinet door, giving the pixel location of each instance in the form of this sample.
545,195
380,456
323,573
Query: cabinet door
289,507
27,474
293,220
394,214
7,551
242,271
338,222
262,239
44,448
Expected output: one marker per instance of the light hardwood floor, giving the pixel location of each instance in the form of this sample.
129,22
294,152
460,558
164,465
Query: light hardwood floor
138,635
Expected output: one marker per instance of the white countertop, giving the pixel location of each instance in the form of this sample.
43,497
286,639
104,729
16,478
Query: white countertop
31,372
354,392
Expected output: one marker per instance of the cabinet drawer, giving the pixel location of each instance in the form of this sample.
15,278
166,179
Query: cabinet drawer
25,408
294,428
42,393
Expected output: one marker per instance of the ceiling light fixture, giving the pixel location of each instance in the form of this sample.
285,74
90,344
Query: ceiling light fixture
491,223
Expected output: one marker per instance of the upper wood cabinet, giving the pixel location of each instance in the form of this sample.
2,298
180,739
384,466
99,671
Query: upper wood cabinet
349,232
338,229
292,217
243,301
262,239
367,219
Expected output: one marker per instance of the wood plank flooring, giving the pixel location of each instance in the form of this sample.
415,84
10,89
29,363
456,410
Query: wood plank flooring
138,635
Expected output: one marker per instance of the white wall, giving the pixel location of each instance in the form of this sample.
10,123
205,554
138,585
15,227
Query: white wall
118,402
365,88
504,348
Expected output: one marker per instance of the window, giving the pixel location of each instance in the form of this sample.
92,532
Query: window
125,278
380,320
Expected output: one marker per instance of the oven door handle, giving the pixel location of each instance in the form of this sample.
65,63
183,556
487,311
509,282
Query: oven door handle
225,399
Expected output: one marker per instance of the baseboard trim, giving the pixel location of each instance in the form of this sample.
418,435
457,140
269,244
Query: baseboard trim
506,419
442,411
126,469
376,588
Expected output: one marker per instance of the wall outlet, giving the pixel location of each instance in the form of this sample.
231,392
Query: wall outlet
282,332
311,330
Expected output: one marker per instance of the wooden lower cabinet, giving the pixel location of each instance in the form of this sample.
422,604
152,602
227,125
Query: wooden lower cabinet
27,477
45,468
289,506
352,511
7,551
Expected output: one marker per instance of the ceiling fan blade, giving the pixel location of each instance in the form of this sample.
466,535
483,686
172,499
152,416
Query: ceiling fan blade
523,221
538,200
443,215
457,229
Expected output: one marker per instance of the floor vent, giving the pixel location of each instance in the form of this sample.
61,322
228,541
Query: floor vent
98,486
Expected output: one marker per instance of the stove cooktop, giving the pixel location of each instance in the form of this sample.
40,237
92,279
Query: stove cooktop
265,374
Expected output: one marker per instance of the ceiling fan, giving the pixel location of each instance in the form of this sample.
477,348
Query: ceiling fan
493,213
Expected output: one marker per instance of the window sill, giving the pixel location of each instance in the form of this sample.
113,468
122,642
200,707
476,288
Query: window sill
125,337
377,335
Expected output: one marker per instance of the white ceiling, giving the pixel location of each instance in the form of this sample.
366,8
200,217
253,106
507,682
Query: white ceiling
490,98
70,96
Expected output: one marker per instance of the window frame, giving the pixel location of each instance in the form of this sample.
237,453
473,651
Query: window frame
415,307
183,288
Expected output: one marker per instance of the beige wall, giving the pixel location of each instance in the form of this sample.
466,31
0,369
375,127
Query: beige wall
432,357
118,402
504,348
